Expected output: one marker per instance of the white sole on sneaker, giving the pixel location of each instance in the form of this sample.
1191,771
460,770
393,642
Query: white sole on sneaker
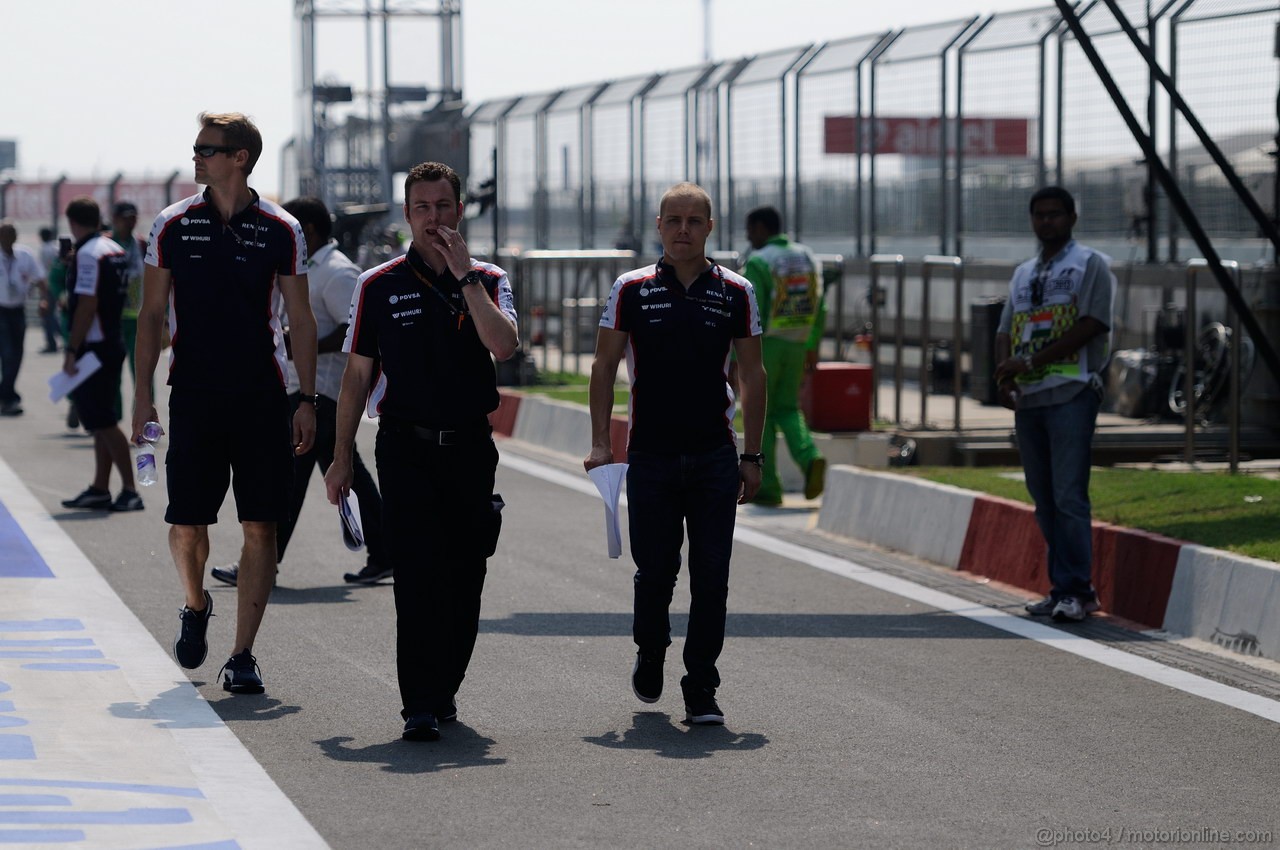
650,700
704,719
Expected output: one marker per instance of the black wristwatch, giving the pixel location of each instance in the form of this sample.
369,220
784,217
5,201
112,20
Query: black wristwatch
469,278
307,399
757,458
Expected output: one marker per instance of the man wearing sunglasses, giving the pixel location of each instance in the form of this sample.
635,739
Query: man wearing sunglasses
224,259
1052,345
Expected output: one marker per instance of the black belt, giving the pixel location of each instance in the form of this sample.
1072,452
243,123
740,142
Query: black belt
439,437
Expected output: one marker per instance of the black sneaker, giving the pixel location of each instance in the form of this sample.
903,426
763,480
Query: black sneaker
92,499
190,646
371,574
700,706
229,574
128,500
646,676
421,727
448,711
241,674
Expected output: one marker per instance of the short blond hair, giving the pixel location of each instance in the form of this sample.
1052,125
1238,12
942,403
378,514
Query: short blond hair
685,192
238,131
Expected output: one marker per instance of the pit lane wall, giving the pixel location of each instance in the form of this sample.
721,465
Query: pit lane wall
1153,580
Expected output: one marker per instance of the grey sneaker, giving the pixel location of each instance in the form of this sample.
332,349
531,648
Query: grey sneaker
1043,608
1069,610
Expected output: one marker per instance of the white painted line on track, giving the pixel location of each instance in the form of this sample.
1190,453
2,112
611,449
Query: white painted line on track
1145,668
132,725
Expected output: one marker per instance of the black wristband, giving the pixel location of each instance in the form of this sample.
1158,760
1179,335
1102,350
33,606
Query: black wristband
303,398
757,458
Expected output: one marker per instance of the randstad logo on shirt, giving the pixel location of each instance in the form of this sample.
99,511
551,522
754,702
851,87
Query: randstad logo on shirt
397,298
186,220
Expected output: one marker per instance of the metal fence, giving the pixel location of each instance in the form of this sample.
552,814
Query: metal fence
923,140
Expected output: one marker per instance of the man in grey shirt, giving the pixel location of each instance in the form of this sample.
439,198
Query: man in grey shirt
1052,344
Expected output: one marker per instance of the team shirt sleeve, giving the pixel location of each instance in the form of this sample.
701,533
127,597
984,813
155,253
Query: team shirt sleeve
754,327
86,272
295,261
506,299
612,318
154,253
362,332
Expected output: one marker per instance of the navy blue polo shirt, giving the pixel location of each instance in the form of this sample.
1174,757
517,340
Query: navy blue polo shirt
100,269
678,354
431,367
224,304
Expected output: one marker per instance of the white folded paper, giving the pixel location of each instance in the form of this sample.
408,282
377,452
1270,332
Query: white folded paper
61,383
609,480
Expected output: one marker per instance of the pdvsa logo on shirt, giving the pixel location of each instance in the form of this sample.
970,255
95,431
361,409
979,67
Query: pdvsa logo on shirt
395,299
185,221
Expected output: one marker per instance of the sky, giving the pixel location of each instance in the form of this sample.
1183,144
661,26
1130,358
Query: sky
92,89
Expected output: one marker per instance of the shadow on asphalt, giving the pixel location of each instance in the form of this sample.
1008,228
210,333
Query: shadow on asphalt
171,709
79,514
459,746
310,595
252,707
655,732
590,624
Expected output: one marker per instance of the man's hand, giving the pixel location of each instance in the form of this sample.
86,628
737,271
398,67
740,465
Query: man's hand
339,478
69,362
454,250
1010,368
600,455
304,428
749,473
143,412
1007,395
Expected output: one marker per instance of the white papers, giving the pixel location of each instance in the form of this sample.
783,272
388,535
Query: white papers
608,480
61,383
349,514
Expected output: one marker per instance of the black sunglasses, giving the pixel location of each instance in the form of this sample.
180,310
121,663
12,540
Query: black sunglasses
206,151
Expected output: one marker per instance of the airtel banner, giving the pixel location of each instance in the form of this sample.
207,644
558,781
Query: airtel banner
1002,137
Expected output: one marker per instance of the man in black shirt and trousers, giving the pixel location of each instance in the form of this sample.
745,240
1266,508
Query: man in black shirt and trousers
424,329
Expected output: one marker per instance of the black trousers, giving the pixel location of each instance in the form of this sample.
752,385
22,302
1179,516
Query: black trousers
440,528
321,455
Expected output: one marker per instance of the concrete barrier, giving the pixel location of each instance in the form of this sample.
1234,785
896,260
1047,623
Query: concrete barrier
556,425
921,518
1228,599
1004,543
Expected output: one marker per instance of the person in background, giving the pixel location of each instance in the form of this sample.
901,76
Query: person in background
124,218
1052,347
676,322
331,278
788,282
19,271
97,281
48,307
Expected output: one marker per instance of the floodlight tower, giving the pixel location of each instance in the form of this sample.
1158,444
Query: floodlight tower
351,140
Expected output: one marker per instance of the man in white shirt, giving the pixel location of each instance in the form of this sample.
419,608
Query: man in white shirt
19,271
331,278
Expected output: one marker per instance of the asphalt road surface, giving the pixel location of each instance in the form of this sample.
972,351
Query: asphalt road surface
857,716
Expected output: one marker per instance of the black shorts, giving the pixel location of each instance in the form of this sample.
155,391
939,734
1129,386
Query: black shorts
216,439
95,399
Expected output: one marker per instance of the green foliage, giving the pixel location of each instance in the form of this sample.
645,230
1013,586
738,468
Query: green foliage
1238,513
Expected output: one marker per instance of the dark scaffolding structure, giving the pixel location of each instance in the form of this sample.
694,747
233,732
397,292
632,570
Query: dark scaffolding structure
380,89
